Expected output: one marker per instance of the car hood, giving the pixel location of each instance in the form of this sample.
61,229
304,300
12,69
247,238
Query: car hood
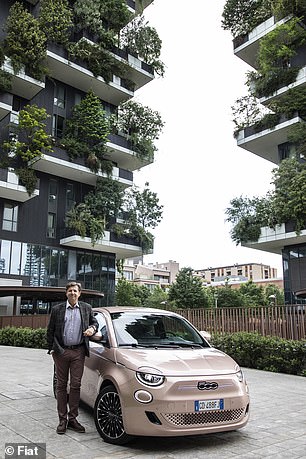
174,362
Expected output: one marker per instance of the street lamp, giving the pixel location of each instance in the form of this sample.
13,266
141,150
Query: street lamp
216,298
273,299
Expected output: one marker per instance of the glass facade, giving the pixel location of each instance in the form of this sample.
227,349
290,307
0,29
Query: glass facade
294,268
53,267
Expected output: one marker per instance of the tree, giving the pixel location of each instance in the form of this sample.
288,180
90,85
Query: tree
143,212
86,132
187,291
276,292
25,42
241,16
141,39
129,294
253,294
56,20
228,297
157,299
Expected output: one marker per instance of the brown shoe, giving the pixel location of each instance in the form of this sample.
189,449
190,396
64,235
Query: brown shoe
62,427
76,426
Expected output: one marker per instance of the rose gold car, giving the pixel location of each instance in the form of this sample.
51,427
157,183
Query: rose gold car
150,372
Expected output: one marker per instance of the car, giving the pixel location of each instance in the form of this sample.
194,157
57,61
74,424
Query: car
152,373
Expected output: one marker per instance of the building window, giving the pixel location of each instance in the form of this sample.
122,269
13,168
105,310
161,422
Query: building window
58,126
70,196
10,215
51,225
60,96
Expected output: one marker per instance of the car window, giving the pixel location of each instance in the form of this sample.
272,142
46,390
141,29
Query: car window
133,328
102,330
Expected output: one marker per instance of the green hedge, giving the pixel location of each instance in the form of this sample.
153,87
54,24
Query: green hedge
268,353
23,337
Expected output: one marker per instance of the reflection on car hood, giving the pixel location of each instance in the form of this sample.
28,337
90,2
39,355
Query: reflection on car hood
174,362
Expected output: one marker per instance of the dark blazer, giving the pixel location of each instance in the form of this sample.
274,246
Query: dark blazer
55,329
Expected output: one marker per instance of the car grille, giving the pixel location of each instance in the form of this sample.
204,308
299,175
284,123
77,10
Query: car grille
207,418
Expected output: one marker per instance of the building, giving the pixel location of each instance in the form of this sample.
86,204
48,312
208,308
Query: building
236,273
275,48
72,62
152,275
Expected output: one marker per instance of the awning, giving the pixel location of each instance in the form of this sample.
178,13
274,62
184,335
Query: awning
44,293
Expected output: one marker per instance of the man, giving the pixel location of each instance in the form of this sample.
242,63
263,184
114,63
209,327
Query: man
70,326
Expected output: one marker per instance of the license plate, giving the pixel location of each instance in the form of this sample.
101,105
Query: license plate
209,405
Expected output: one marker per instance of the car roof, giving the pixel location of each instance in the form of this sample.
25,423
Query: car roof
111,309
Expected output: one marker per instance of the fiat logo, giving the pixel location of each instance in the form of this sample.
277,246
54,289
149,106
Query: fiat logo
204,385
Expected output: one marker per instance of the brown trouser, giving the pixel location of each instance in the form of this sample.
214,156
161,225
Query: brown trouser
69,364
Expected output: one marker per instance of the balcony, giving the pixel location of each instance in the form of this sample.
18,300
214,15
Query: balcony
123,247
6,102
265,143
246,47
11,190
300,82
140,72
274,240
78,76
22,84
57,163
120,151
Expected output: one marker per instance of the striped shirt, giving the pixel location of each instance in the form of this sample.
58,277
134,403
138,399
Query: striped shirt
73,326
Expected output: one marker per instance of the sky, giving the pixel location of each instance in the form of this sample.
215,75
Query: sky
198,167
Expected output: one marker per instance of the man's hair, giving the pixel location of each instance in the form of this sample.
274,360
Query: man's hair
73,284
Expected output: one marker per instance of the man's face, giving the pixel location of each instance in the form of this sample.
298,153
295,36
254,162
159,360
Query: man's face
73,294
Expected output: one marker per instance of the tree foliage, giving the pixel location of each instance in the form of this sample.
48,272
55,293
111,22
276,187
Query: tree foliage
241,16
187,291
25,42
129,294
56,20
143,40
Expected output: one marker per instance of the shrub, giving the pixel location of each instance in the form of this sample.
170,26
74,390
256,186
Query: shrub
264,352
23,337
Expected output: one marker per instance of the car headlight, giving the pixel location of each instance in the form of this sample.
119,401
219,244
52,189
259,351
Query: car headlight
240,376
150,379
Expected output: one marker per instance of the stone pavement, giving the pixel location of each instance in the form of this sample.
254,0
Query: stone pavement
277,427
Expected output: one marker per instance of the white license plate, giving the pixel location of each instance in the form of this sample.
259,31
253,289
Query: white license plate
209,405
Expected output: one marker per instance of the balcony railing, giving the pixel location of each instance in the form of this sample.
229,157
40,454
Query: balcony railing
246,47
23,85
265,142
120,150
76,73
6,104
11,189
274,240
123,247
58,163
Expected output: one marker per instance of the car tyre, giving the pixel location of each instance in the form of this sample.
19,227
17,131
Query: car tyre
108,417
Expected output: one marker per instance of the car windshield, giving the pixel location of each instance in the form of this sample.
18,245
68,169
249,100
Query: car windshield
154,330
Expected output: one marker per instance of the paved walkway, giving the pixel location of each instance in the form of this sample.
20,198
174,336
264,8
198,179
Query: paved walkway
277,427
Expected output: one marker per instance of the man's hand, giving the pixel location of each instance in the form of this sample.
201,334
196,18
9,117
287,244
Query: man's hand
90,331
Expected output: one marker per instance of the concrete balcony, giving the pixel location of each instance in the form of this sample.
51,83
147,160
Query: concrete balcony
265,143
11,190
78,76
300,82
57,163
139,72
119,150
23,85
246,47
6,104
274,240
122,247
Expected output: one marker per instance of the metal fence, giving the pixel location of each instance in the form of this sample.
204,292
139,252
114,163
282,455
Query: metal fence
287,322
